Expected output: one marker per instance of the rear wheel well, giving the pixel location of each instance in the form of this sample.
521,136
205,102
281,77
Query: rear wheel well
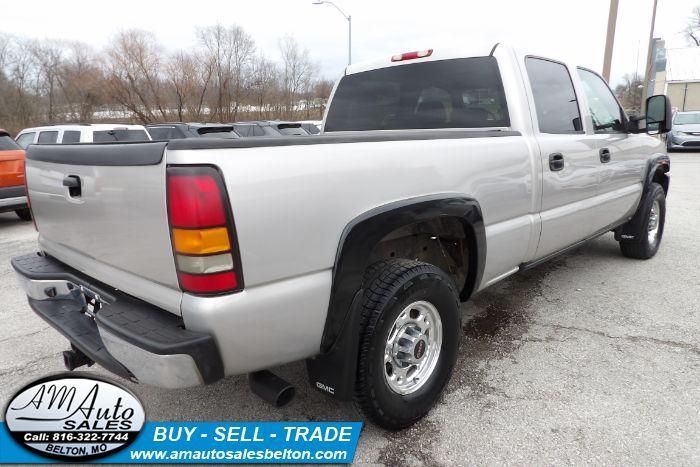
442,241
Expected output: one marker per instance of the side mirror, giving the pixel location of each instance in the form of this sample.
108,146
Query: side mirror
659,115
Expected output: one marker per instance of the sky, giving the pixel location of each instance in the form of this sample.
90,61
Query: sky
572,30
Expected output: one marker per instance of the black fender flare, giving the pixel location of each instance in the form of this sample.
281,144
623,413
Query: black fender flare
333,371
627,232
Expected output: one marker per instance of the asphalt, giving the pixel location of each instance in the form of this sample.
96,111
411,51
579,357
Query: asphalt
591,358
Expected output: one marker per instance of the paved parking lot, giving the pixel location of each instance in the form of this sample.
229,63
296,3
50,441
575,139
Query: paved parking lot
591,358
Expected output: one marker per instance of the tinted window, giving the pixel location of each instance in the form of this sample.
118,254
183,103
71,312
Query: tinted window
292,130
555,99
165,133
111,136
225,132
47,137
243,130
8,144
463,93
70,137
257,131
25,139
606,113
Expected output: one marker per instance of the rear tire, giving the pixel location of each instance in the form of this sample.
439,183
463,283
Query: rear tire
409,331
24,214
650,219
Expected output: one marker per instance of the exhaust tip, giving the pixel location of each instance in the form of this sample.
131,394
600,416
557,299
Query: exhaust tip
271,388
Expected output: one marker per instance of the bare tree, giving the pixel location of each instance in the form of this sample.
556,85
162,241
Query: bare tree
134,67
189,78
230,52
263,85
48,57
692,29
81,81
629,92
297,72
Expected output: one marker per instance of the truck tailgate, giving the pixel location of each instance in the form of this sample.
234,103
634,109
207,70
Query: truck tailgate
102,210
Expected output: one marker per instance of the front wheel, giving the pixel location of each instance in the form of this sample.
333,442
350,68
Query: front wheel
649,219
409,338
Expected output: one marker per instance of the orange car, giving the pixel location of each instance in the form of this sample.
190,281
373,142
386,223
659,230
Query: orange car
12,192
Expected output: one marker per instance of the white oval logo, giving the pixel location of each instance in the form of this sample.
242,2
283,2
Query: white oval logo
74,417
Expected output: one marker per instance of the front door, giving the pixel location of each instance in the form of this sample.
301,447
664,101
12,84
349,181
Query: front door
622,155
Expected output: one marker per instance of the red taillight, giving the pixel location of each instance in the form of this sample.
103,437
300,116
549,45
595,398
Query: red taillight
412,55
202,231
195,201
208,283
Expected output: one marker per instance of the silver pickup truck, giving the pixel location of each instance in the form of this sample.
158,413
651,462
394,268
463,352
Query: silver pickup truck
437,174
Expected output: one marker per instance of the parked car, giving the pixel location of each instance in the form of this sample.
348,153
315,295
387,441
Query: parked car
312,127
269,129
12,192
437,175
168,131
81,133
685,133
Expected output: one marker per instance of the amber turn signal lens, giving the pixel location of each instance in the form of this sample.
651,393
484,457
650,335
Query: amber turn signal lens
201,241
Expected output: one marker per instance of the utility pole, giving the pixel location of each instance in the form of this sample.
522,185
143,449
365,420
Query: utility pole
647,70
610,39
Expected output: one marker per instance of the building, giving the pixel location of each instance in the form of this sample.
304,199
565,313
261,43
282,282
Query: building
676,73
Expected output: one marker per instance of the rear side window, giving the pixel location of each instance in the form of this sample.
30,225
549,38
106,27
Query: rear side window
25,139
461,93
111,136
48,137
70,137
555,99
8,144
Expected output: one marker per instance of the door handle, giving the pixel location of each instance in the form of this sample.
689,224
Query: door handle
604,155
72,182
556,162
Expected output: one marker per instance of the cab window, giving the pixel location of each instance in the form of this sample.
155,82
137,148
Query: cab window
606,113
555,99
48,137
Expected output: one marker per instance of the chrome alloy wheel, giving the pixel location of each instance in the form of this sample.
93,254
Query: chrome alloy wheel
653,227
413,347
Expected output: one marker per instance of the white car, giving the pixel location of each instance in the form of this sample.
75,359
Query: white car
81,133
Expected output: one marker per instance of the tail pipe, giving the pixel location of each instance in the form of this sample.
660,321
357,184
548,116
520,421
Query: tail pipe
271,388
74,358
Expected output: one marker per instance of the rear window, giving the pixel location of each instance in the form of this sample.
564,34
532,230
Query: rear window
225,132
70,137
165,133
461,93
47,137
8,144
292,129
111,136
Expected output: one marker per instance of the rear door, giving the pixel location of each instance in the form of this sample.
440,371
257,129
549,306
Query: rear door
621,154
569,156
